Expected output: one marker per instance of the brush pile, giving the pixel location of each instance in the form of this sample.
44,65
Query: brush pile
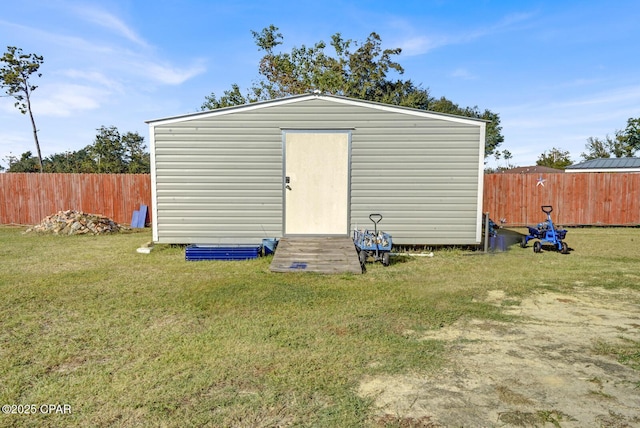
71,222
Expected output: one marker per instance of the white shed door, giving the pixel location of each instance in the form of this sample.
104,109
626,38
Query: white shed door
316,183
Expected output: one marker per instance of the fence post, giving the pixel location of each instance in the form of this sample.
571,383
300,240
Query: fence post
486,232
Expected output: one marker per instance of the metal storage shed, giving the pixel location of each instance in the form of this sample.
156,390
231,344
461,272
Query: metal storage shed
316,165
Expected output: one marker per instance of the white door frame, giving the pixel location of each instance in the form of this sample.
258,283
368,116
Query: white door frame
288,187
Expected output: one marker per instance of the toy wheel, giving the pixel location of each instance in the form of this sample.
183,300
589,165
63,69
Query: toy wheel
565,248
523,242
363,257
385,259
537,247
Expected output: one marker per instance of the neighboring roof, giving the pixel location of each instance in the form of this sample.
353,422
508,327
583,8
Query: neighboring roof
327,97
607,165
535,169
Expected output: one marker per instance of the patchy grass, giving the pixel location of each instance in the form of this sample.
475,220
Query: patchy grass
627,351
535,419
131,339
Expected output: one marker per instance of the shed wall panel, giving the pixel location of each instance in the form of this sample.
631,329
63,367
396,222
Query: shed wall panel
219,178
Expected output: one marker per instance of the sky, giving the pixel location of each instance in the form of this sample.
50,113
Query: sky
556,72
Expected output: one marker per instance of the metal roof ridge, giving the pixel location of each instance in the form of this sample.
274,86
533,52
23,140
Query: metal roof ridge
311,95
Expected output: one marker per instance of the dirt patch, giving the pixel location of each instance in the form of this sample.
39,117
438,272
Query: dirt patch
544,370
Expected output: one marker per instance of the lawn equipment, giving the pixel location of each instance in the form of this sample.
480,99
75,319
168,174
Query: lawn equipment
376,244
546,233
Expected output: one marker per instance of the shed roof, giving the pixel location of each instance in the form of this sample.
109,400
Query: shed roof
607,165
327,97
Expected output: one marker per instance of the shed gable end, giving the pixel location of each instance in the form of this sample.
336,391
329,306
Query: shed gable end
219,177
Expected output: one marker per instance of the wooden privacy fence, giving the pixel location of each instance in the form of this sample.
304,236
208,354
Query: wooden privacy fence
28,198
598,199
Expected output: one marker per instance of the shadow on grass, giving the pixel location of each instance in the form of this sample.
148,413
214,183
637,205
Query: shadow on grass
510,237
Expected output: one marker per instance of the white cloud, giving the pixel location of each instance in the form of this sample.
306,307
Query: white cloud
64,100
110,22
608,98
584,110
415,43
68,43
418,45
15,141
168,74
94,77
141,63
462,73
6,104
510,22
120,64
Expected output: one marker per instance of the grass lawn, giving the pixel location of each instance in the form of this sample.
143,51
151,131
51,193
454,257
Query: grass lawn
128,339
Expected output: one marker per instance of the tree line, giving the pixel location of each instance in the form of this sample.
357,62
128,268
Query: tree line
110,153
625,143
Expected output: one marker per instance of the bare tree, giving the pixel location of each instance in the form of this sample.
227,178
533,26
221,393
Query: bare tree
14,78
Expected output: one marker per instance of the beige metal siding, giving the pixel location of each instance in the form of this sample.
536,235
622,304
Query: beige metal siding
422,176
219,176
214,185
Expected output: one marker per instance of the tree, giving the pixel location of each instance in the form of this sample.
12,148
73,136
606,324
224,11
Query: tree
26,163
79,161
232,97
631,134
616,147
596,149
15,78
109,153
625,143
135,156
356,69
554,158
507,156
493,137
115,153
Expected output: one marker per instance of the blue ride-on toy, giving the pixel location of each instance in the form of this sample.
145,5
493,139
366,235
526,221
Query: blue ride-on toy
546,233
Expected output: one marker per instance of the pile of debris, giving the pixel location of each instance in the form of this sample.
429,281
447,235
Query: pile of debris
71,222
